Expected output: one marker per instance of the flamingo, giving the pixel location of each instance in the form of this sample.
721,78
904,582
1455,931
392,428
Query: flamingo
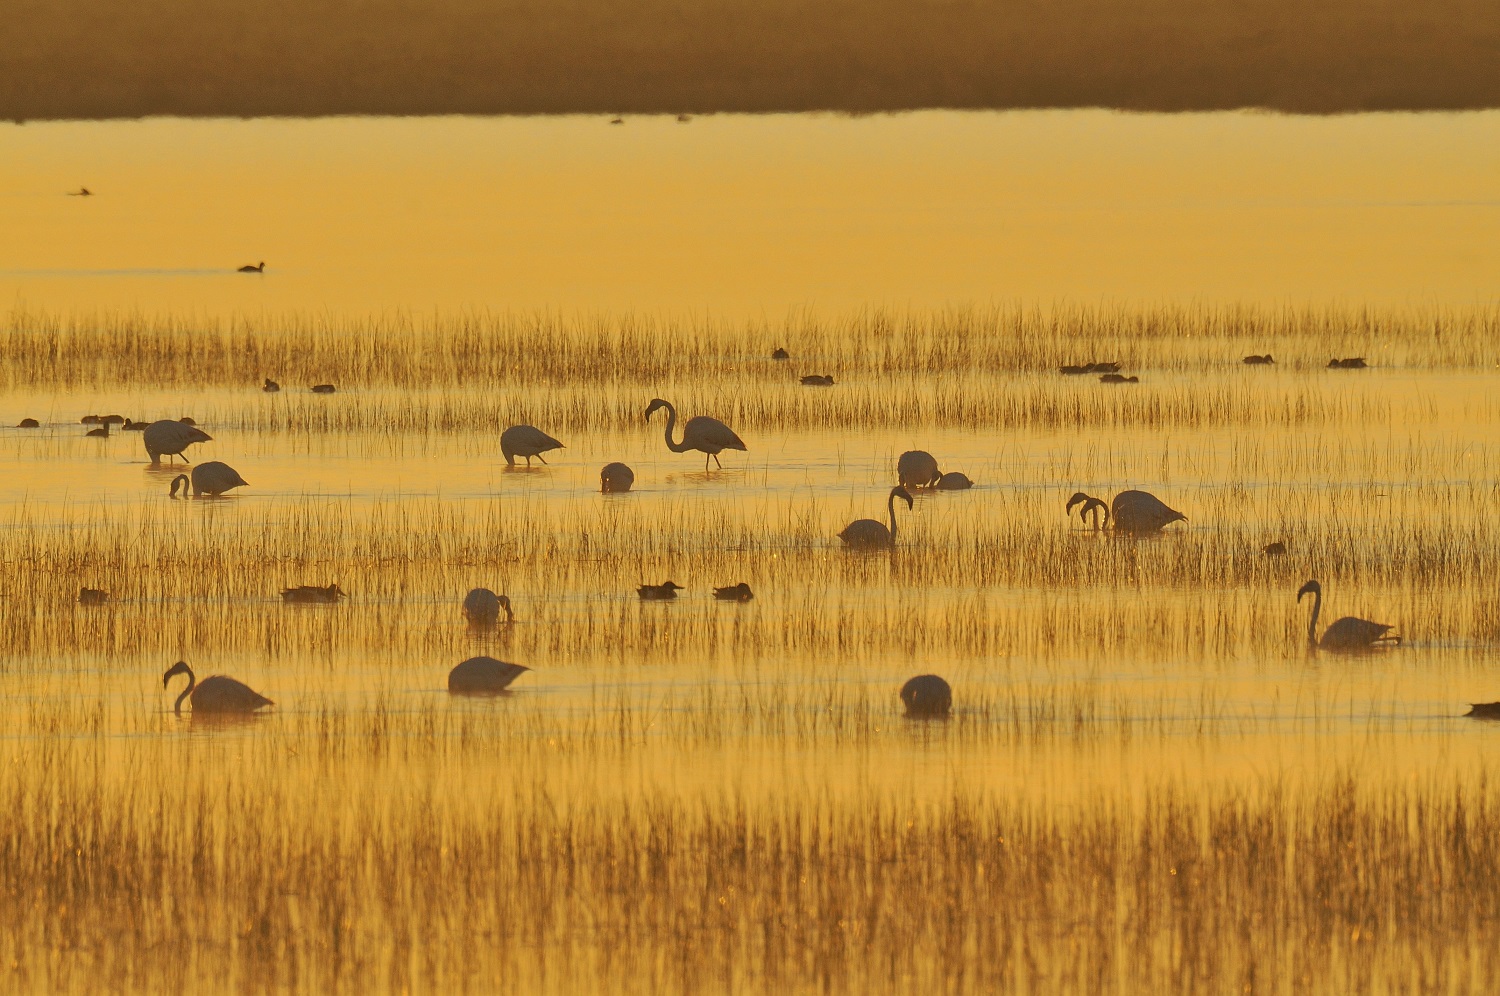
616,478
868,532
527,441
1348,633
170,437
1133,511
917,469
217,693
927,695
482,607
483,676
954,481
707,435
212,478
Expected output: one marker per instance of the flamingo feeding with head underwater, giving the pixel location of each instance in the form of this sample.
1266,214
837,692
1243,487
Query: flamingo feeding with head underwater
1132,511
212,478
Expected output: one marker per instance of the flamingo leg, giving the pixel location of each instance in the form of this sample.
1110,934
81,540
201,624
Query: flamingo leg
716,462
542,458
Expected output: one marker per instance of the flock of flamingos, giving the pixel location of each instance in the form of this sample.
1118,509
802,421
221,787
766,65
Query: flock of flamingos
1130,512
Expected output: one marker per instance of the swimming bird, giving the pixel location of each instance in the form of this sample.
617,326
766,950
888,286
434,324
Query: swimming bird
1104,367
1348,633
867,533
270,386
483,676
91,420
101,431
1073,369
665,591
482,607
1132,511
780,354
1258,361
817,380
217,693
954,481
707,435
1114,378
311,593
92,596
185,420
28,423
1484,710
169,437
254,269
734,593
131,426
323,389
616,478
1275,549
1348,363
527,441
927,695
113,420
81,192
917,469
212,478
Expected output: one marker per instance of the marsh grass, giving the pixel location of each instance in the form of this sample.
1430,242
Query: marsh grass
1149,783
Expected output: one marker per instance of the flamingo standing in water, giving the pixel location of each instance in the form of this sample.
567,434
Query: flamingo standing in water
1345,634
217,693
1132,511
867,533
707,435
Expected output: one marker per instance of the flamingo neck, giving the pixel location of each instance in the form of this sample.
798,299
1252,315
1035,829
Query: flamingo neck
192,683
181,480
890,510
672,424
1312,624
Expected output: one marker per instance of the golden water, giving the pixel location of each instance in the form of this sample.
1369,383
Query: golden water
702,795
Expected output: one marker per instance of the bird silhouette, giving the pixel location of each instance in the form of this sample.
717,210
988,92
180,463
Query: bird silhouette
867,533
1345,634
270,386
734,593
1132,511
817,380
311,593
483,676
927,695
1258,361
212,478
917,469
701,433
482,607
954,481
169,437
527,441
261,268
28,423
616,478
92,596
666,591
323,389
216,694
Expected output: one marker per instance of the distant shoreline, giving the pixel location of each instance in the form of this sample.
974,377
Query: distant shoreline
72,59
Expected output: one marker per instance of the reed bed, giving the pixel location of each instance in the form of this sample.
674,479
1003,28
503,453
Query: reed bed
1148,783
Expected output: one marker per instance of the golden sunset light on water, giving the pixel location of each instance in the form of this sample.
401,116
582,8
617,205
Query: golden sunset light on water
925,498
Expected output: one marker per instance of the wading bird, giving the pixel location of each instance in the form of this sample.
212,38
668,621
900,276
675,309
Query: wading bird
734,593
917,469
704,434
527,441
169,437
867,533
212,478
254,269
663,592
1132,511
217,693
483,676
1348,633
482,607
927,695
954,481
311,593
616,478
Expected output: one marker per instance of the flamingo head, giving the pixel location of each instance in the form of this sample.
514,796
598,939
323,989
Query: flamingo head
1311,588
655,404
905,495
179,668
1079,498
